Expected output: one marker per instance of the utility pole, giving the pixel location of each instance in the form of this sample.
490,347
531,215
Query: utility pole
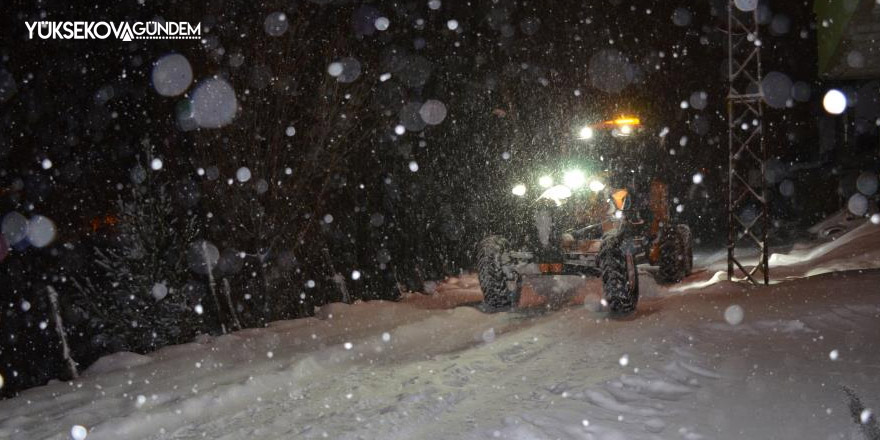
748,213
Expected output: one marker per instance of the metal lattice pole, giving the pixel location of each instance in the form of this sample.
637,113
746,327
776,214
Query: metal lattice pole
747,209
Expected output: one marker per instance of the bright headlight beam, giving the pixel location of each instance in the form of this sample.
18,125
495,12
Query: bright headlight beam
557,193
834,102
574,179
586,133
519,190
545,181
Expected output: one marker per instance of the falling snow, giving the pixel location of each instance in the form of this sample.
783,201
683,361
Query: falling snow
327,219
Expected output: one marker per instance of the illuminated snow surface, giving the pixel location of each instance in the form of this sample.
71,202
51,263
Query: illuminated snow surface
433,366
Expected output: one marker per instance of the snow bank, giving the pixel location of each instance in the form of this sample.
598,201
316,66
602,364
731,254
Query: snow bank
116,361
410,370
854,244
838,223
126,395
860,241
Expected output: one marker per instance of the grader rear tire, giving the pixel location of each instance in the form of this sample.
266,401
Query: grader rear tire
620,276
499,283
673,255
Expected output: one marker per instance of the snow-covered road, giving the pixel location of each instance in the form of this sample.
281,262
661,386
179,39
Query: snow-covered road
432,367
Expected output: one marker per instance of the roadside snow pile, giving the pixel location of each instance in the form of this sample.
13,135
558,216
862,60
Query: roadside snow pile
126,395
842,244
836,224
858,248
116,361
454,291
716,278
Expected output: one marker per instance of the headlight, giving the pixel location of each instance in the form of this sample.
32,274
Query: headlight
596,186
586,133
557,193
519,190
545,181
574,179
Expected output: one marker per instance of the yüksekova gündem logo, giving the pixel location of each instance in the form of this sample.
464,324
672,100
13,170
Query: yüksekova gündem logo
102,30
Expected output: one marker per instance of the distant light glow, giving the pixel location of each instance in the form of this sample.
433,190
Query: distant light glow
596,186
834,102
698,178
586,133
519,190
452,25
574,179
545,181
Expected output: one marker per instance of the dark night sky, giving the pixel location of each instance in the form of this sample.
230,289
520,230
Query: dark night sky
62,112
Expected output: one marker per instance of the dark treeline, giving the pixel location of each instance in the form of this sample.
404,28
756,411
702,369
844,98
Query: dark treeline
309,195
